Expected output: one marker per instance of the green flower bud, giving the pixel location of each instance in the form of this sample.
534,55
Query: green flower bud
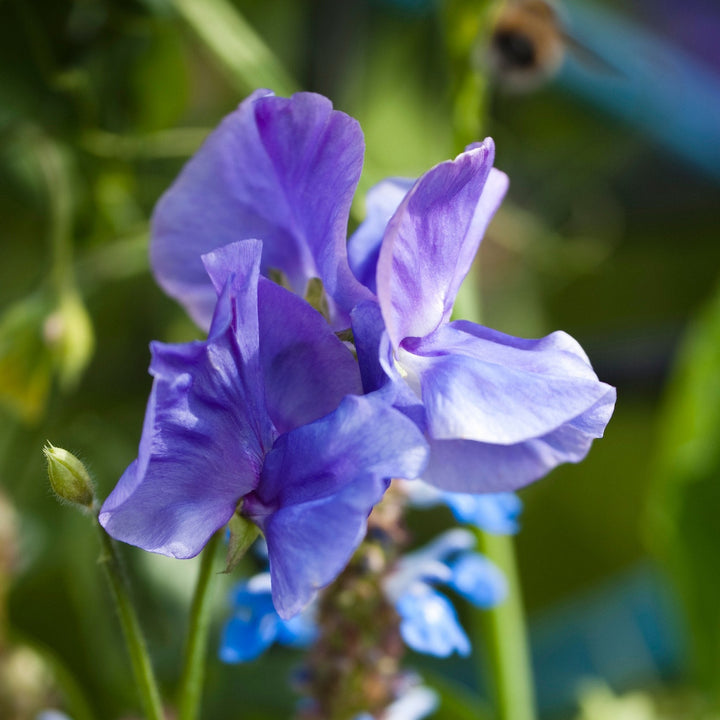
68,333
68,477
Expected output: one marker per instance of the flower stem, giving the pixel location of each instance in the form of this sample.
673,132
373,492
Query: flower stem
503,632
139,657
191,682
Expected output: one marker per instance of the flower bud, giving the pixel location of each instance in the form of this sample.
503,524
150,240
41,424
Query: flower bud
68,333
68,476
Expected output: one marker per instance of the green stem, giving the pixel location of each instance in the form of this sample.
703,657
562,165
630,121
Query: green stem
193,675
139,657
502,630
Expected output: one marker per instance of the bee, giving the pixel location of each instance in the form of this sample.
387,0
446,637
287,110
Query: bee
529,43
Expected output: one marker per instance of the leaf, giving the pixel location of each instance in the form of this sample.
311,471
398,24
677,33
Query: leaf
242,535
684,503
235,45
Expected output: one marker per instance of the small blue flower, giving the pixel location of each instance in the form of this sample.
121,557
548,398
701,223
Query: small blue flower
496,513
255,625
429,623
478,580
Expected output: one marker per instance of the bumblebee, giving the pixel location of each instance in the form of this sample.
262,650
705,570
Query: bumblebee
529,43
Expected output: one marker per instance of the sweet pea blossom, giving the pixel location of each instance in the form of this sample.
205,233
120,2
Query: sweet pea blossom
498,411
249,421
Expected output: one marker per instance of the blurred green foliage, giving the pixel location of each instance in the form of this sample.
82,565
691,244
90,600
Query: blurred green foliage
602,235
682,517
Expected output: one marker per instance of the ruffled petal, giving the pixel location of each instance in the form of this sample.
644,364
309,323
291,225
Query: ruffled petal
382,200
282,170
318,487
494,388
473,467
205,434
432,239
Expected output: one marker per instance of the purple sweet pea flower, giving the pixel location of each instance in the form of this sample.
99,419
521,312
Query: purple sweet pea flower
250,419
498,411
283,170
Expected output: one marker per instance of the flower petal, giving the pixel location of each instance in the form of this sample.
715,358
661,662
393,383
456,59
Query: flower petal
307,370
282,170
432,239
478,580
205,434
368,329
318,487
496,513
382,200
473,467
478,384
429,623
254,625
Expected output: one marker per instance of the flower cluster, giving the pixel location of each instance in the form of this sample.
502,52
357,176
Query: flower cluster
277,418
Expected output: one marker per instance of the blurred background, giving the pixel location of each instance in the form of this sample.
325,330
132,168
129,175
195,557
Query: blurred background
607,120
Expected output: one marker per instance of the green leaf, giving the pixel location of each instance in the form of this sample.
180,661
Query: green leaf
235,45
242,535
684,504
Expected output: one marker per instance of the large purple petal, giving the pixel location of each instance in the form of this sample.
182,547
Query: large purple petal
318,486
432,239
205,435
280,170
479,384
473,467
307,370
382,200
